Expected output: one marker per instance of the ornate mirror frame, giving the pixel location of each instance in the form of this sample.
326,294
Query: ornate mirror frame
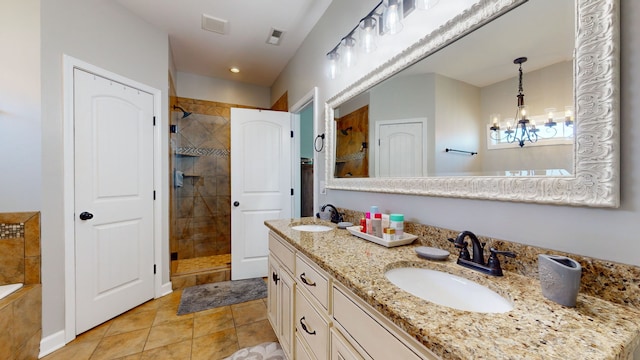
596,179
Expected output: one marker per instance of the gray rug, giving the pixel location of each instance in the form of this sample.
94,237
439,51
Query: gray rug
209,296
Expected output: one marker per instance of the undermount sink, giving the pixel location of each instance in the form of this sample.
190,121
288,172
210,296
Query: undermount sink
312,228
448,290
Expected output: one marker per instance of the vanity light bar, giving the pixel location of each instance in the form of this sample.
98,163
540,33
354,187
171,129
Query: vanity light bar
378,22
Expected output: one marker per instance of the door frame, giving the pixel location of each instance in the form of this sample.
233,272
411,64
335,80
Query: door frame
160,236
298,106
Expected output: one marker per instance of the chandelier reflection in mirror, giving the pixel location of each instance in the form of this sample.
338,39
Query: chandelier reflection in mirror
524,129
386,18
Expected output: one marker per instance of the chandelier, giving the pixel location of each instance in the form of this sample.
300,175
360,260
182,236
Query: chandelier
523,129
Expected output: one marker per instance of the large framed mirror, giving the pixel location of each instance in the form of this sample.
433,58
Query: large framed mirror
446,90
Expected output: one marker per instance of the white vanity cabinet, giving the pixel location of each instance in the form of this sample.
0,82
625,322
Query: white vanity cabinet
317,318
374,336
281,290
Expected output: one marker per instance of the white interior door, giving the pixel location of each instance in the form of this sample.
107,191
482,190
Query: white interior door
114,250
400,137
260,185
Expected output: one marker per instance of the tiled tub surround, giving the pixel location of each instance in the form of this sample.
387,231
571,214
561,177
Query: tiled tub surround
536,328
20,311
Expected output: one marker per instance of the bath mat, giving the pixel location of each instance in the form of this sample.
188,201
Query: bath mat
209,296
266,351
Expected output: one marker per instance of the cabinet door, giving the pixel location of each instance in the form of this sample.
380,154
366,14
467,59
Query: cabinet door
272,293
340,348
286,289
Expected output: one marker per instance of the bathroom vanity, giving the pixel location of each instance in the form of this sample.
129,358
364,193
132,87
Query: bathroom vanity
329,299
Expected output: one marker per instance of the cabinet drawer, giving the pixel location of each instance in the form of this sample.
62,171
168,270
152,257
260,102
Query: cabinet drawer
310,279
367,332
311,326
341,349
301,352
284,253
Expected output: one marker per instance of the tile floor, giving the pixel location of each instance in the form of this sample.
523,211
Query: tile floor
154,331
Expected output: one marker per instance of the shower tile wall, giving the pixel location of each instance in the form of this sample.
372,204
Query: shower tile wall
202,225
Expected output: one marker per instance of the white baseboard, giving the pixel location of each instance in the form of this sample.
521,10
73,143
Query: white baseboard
51,343
166,289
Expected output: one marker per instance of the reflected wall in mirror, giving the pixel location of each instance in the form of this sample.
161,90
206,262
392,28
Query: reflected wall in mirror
439,104
444,93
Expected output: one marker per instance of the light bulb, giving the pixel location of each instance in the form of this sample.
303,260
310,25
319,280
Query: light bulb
494,120
426,4
568,113
393,17
349,51
368,34
333,65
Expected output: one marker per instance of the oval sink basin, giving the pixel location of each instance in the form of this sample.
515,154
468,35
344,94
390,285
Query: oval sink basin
312,228
448,290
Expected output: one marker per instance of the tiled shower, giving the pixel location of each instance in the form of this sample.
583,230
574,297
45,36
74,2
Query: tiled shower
200,211
201,192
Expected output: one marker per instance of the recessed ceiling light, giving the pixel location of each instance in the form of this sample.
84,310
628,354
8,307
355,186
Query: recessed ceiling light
234,70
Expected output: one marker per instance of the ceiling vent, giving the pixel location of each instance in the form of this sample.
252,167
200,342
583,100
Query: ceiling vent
275,36
215,25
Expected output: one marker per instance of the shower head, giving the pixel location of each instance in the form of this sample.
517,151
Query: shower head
184,113
346,131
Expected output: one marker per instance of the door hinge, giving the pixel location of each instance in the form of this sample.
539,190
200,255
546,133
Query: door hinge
291,133
154,194
291,192
154,268
154,121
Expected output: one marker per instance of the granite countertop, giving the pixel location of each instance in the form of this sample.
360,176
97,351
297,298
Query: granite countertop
536,328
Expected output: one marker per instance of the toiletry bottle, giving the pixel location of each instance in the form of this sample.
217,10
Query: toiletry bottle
363,225
389,234
385,221
367,219
396,221
376,225
372,213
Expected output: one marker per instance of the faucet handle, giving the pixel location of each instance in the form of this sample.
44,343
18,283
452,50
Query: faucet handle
510,254
494,263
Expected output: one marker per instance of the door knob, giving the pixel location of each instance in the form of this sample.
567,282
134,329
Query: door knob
86,215
236,203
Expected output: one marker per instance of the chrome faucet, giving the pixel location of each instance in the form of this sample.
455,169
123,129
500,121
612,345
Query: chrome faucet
491,267
336,216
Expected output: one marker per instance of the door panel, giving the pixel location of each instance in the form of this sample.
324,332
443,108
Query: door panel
260,185
400,138
113,139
